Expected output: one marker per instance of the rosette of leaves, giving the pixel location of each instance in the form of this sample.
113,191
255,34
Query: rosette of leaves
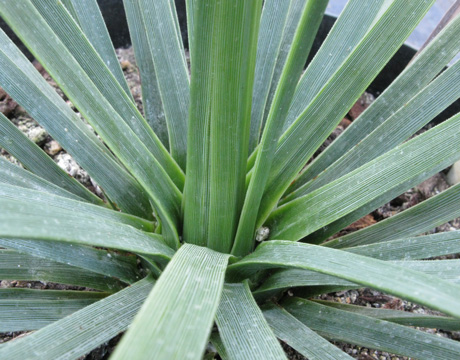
221,156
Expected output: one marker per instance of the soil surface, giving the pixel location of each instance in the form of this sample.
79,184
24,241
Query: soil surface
363,297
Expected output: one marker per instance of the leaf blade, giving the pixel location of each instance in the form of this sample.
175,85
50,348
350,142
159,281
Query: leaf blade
416,113
14,175
402,165
422,217
79,333
99,77
272,25
376,334
242,327
85,95
23,82
348,30
37,161
44,199
151,99
102,262
36,312
54,224
400,317
303,39
338,95
414,248
194,273
297,335
424,68
168,57
381,275
23,267
221,89
88,16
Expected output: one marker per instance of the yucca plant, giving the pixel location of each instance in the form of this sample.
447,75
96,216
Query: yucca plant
210,213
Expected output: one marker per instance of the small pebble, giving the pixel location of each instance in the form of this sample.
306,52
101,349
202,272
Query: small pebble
125,64
37,134
262,234
70,166
52,148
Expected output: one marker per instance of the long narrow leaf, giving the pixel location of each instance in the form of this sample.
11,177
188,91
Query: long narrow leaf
219,345
14,175
372,333
225,38
424,155
297,335
448,270
79,333
44,199
288,278
293,18
400,317
37,161
181,329
292,22
171,70
60,63
26,309
425,216
179,37
397,280
272,25
23,267
414,248
334,227
283,279
425,67
26,220
242,327
347,32
25,84
415,114
331,104
301,45
190,9
79,47
151,99
48,294
88,16
120,266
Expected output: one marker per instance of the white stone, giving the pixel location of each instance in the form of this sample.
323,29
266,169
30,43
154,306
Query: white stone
453,176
